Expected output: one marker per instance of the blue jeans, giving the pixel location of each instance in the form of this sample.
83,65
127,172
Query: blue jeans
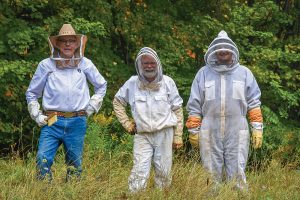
67,131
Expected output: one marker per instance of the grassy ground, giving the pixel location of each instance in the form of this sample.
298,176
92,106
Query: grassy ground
105,177
107,164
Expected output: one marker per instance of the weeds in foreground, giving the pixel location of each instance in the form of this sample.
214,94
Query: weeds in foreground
105,177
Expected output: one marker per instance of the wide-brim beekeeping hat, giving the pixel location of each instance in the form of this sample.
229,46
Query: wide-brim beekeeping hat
67,30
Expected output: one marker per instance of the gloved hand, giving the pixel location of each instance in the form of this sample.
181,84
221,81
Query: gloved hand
41,120
130,127
123,118
177,142
90,110
34,109
194,140
36,113
96,102
193,122
257,138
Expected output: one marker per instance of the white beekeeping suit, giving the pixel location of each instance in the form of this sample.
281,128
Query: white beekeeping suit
157,121
221,96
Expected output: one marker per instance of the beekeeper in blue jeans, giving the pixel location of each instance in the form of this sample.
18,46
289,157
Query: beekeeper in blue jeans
62,82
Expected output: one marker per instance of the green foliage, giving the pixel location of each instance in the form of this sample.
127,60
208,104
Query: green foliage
14,121
83,26
265,50
106,136
281,143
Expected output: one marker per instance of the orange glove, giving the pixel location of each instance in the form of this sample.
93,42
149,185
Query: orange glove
193,122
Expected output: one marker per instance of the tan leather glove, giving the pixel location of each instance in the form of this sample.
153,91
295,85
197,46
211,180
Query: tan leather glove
130,127
177,142
177,138
123,118
257,138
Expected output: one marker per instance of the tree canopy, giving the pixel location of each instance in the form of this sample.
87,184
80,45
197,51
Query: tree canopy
266,33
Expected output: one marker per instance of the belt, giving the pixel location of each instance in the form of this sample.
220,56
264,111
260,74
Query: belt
66,114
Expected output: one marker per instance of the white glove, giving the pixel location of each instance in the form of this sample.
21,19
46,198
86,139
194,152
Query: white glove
96,102
90,110
36,113
41,120
34,109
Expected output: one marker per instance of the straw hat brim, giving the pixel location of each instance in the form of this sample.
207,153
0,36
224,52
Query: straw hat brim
53,39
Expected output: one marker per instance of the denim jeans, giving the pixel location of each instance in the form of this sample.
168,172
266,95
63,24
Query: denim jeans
67,131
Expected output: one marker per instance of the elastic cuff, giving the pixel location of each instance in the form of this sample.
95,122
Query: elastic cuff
257,125
255,115
193,122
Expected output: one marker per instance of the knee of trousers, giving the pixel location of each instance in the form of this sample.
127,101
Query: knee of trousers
74,161
43,160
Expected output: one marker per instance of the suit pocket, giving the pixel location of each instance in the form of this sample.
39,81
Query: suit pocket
238,90
210,90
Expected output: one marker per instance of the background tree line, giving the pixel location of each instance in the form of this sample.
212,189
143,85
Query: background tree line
266,33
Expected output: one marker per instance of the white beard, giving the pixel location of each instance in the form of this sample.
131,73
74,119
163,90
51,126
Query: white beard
151,74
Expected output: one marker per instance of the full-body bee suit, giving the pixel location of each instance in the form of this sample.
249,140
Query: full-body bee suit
157,114
221,96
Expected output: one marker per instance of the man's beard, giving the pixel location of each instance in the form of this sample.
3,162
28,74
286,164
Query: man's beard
150,74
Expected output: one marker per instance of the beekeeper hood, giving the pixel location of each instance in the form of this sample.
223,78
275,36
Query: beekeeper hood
67,30
221,43
138,65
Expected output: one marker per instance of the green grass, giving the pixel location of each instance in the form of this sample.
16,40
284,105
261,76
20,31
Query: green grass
105,177
107,163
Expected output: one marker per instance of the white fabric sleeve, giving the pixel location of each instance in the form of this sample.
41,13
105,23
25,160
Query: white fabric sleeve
253,92
196,99
99,83
174,97
37,83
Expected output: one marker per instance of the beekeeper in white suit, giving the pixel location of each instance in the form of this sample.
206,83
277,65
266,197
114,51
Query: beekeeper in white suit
157,123
222,94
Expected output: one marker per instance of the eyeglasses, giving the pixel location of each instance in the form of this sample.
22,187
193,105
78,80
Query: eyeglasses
149,63
70,41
